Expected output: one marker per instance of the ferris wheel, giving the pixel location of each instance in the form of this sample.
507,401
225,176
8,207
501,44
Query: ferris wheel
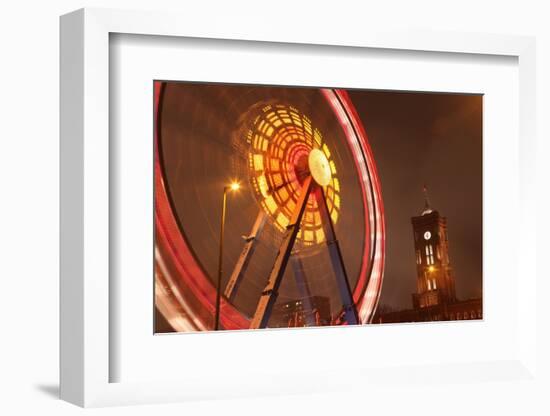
307,220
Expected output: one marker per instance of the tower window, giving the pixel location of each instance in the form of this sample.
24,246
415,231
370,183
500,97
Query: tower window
430,254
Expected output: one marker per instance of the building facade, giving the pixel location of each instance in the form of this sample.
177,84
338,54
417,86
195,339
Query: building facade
312,311
435,297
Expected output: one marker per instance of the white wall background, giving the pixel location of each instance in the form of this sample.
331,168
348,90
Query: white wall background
29,99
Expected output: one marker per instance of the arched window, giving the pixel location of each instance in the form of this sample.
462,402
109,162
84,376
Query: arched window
429,254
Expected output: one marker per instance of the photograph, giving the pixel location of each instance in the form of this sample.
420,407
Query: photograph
294,207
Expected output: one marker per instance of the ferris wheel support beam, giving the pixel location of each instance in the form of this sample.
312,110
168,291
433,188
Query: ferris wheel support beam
244,259
271,291
349,308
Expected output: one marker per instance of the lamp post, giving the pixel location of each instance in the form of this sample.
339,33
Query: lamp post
233,187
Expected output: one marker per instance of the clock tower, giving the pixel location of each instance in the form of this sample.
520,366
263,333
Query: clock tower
435,283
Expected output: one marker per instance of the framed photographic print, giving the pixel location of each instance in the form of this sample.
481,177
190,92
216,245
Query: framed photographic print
285,213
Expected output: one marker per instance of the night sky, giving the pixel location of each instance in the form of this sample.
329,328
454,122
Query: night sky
417,139
432,139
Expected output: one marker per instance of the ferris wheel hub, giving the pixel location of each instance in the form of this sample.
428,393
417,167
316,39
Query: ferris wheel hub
319,167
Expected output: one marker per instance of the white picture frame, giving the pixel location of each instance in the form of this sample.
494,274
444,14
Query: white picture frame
85,182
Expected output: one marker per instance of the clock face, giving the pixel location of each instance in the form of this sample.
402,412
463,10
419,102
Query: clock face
427,235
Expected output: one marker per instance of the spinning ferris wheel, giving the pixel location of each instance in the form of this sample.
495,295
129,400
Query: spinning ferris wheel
307,221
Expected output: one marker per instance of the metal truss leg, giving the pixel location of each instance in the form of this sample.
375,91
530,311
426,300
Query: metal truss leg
349,308
270,292
303,288
246,254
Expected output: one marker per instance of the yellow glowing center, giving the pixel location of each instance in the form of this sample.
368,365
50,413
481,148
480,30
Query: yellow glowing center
284,146
319,167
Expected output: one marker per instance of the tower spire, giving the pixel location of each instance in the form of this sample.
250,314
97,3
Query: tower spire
427,206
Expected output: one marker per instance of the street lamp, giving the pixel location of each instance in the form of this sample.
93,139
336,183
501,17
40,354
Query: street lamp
234,186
